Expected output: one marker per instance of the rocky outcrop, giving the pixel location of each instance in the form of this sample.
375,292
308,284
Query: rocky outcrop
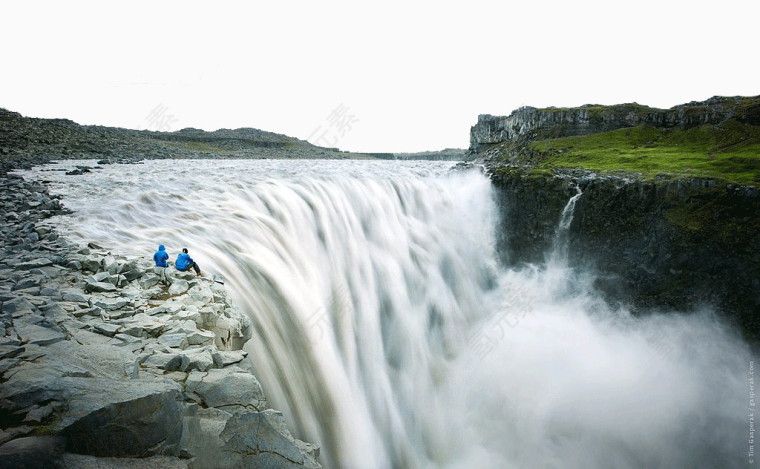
668,243
530,123
100,357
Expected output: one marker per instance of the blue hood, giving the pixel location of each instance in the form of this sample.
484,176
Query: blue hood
161,247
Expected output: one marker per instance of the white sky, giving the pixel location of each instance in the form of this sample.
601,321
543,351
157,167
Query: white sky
409,75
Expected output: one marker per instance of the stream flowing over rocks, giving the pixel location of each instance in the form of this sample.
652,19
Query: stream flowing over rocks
102,357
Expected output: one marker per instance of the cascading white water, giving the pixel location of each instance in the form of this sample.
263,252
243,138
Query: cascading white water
569,211
386,333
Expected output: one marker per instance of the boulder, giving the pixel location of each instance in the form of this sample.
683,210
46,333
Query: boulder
149,325
110,265
91,263
33,452
227,358
17,305
167,361
249,439
106,329
178,287
197,359
232,332
200,338
202,294
132,271
110,304
75,296
38,335
101,277
227,389
148,280
121,418
177,340
99,287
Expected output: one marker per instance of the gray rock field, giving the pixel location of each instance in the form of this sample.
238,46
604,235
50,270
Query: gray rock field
104,365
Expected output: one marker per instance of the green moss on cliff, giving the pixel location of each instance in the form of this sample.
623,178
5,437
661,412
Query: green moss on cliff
729,151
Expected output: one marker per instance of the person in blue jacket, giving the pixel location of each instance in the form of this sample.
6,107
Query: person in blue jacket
161,256
184,262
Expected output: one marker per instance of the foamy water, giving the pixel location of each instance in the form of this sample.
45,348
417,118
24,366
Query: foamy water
386,332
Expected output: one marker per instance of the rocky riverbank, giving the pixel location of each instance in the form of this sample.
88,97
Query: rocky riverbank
104,365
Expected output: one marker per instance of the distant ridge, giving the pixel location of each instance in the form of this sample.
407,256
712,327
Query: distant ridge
25,141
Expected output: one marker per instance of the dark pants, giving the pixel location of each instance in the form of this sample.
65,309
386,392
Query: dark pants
195,267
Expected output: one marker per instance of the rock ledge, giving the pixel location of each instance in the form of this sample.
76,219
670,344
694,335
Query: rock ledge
103,365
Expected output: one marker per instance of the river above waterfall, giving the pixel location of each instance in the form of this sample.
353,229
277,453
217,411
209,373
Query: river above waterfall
386,331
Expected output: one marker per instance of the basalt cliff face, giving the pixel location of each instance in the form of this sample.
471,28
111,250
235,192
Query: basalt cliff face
532,123
666,242
670,244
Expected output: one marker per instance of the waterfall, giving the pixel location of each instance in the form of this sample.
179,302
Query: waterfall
557,255
385,331
567,213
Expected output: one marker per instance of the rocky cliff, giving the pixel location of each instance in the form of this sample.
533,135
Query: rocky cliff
664,244
678,229
529,123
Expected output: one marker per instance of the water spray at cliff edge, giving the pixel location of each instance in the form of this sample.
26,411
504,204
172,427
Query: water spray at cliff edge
386,332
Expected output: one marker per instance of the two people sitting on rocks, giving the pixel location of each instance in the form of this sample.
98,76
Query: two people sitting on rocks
183,263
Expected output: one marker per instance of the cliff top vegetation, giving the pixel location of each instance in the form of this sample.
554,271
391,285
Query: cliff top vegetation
729,151
718,138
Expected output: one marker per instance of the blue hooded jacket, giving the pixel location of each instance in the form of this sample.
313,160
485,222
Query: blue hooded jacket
161,256
184,261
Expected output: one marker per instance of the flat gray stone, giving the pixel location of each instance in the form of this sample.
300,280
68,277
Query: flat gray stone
101,277
198,359
178,287
227,358
10,351
124,418
222,388
148,280
177,340
167,361
34,264
106,329
99,287
33,451
119,314
110,304
200,337
38,335
17,305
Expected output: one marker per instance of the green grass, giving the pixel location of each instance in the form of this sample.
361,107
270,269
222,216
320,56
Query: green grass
729,152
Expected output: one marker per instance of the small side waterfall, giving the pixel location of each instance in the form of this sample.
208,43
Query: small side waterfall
558,253
567,213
